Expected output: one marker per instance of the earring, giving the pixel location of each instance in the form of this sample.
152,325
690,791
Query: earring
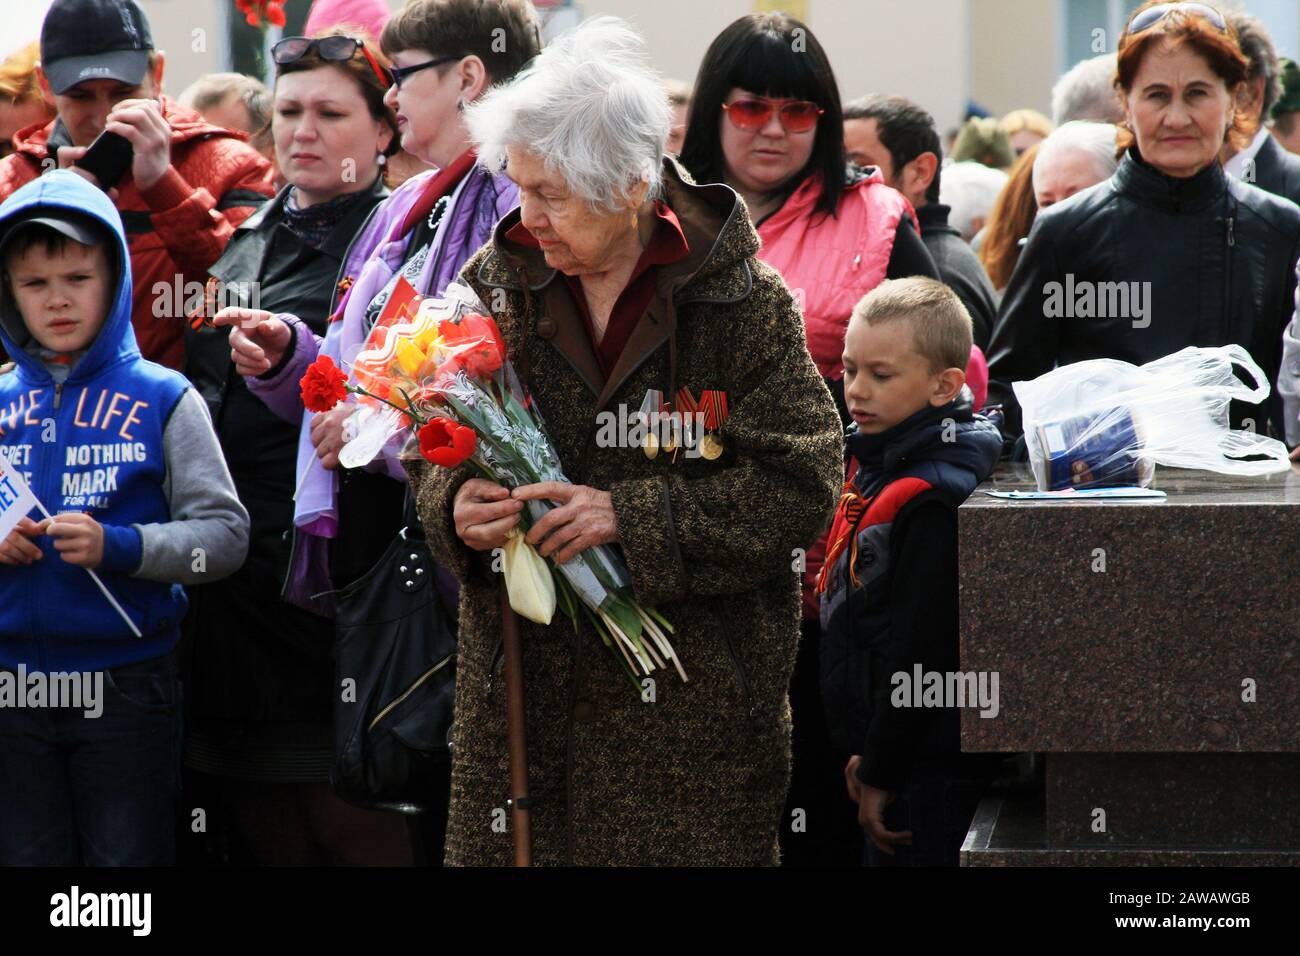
381,159
460,106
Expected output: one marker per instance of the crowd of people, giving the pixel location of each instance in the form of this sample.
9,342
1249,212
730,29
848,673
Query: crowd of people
862,300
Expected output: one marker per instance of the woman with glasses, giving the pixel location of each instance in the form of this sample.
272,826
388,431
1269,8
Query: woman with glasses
444,55
766,120
1201,258
260,679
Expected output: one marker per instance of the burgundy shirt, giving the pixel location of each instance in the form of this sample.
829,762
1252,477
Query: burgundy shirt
667,245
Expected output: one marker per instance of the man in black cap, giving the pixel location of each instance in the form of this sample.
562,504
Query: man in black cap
189,183
1264,162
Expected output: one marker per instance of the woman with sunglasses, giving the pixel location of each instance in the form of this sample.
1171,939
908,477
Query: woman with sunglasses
260,677
766,120
1211,259
444,54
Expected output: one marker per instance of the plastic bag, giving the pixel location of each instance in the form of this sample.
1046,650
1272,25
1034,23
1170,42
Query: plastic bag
1106,423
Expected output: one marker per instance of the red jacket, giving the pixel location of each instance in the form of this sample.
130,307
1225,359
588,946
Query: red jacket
175,229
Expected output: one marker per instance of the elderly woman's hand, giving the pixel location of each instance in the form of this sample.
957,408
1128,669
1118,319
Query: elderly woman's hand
584,519
484,513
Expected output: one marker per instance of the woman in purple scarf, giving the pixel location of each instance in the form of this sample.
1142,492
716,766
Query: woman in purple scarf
445,54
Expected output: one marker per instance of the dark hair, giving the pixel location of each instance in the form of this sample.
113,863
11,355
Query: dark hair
1284,122
1221,50
504,34
768,54
359,69
1258,49
904,128
1010,220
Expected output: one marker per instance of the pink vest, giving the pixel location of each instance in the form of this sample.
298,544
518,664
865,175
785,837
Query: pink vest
830,263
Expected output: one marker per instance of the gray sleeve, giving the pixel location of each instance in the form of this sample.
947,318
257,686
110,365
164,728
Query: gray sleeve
207,538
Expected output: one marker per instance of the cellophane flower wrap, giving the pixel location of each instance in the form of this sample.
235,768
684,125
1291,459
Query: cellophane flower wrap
431,365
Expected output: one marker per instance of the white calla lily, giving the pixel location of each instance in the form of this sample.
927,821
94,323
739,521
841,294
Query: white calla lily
528,580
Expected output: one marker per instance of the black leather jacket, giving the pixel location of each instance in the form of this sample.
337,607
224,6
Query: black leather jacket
1219,257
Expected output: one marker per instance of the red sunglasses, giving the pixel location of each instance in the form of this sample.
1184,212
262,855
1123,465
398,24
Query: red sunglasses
753,113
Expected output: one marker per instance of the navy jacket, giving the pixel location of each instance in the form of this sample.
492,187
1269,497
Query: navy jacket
912,476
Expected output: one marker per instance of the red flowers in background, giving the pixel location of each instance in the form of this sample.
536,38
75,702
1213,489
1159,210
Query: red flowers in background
323,386
446,443
255,10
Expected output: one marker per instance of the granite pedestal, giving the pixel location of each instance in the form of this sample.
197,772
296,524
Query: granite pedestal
1150,649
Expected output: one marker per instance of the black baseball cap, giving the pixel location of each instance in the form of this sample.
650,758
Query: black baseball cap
76,226
94,40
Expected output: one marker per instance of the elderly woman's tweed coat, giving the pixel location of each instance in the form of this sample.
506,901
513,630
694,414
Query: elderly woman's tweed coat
698,775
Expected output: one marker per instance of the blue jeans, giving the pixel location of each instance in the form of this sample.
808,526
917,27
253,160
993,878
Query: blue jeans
101,791
938,808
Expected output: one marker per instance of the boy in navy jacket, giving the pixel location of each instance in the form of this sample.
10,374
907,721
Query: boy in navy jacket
122,453
889,584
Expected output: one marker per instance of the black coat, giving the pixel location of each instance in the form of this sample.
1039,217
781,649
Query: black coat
254,657
1216,256
960,269
1277,170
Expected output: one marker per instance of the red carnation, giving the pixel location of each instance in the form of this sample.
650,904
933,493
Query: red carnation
323,386
446,443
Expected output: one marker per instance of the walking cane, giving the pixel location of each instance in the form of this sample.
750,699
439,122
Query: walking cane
516,729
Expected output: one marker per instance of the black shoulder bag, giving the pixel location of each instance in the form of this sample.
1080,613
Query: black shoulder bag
395,675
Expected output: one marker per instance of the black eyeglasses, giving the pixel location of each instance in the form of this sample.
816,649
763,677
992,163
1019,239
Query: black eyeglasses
1149,18
399,73
333,49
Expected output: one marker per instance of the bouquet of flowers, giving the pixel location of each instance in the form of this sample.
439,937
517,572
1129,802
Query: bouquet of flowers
432,374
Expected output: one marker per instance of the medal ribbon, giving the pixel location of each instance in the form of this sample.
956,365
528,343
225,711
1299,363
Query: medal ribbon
714,402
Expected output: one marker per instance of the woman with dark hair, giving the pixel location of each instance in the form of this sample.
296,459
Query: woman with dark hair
1204,259
444,55
766,120
259,676
1010,221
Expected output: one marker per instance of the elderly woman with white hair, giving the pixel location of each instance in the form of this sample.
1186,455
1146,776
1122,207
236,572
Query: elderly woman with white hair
619,281
1076,156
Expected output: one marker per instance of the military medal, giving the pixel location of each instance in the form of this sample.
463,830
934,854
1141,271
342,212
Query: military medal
687,407
714,404
648,416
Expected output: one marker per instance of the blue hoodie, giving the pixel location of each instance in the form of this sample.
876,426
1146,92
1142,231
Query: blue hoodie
93,443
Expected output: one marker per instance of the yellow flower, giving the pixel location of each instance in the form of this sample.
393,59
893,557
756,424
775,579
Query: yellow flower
528,580
409,357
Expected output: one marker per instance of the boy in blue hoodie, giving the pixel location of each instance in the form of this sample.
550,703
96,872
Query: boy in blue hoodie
122,453
889,584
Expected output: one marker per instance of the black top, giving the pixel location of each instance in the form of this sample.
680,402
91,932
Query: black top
910,257
1143,265
960,269
259,671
